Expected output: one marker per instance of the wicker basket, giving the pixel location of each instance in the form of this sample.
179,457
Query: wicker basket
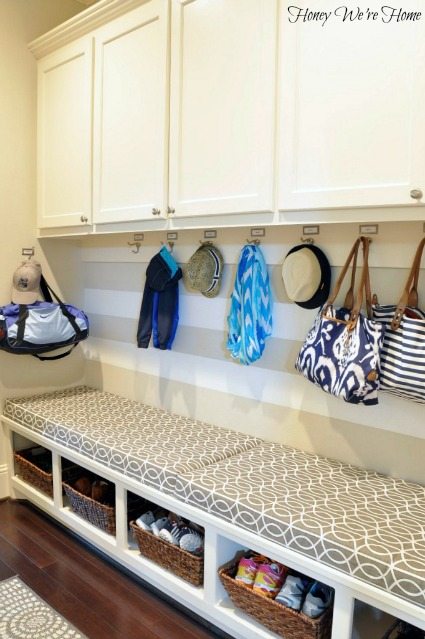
35,469
34,466
186,565
284,621
100,515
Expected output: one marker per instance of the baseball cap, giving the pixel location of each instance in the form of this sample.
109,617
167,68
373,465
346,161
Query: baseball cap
26,283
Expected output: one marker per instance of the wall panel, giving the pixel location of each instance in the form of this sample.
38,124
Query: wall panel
269,398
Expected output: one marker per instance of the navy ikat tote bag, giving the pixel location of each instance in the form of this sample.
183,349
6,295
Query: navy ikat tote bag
341,353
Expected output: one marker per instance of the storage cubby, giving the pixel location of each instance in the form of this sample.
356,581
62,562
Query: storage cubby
372,623
91,497
197,583
33,464
171,541
265,609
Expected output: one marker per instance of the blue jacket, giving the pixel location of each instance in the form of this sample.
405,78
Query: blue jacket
159,313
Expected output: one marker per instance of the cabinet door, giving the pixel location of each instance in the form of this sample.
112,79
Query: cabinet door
351,115
222,105
131,115
64,136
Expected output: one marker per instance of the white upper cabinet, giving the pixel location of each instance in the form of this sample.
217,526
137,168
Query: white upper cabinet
351,115
64,136
222,113
214,107
222,105
131,116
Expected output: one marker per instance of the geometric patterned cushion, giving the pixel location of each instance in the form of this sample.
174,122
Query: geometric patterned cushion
146,443
365,524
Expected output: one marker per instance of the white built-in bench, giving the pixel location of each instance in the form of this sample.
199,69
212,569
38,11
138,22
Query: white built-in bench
361,532
145,443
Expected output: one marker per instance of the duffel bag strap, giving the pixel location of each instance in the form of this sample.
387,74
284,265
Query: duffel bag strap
20,323
70,317
46,358
48,292
410,294
45,290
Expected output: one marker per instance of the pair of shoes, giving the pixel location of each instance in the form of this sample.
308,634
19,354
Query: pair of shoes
192,542
247,569
299,592
269,579
97,489
265,577
146,520
318,599
294,591
172,531
150,523
158,525
179,534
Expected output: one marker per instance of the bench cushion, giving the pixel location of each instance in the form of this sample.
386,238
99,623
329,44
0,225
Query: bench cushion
142,442
365,524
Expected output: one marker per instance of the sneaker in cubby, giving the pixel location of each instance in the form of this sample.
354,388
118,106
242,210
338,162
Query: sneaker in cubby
318,599
293,591
269,579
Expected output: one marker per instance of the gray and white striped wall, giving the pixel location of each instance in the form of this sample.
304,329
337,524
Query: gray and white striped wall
269,398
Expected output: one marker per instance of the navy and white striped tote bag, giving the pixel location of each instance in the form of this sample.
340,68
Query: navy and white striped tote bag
403,350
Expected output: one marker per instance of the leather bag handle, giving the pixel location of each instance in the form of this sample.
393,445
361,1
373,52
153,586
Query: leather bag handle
409,296
367,289
349,297
363,286
352,257
413,293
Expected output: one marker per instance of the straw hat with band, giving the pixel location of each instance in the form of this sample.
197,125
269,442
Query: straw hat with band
306,274
204,270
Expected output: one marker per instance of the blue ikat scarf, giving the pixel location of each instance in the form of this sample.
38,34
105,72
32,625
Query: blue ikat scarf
250,317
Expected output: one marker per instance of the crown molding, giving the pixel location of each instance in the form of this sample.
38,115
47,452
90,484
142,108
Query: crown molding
91,18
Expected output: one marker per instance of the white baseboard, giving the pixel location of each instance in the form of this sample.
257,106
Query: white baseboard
4,484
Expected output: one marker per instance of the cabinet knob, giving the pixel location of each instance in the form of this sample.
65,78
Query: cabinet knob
171,211
416,194
156,212
84,219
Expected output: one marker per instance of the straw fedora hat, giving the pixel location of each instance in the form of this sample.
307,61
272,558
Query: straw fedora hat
204,270
306,274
